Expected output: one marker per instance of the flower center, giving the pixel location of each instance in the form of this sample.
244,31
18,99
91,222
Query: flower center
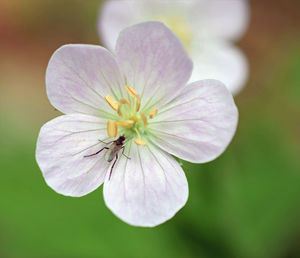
131,121
179,24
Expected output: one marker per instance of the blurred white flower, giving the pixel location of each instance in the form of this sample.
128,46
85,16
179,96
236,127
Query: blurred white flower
207,29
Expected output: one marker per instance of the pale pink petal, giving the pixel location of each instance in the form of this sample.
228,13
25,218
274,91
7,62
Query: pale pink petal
153,61
78,78
206,18
199,124
224,19
148,189
114,16
220,61
62,144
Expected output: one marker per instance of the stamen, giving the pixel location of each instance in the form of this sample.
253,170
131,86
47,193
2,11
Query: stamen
138,103
153,113
143,117
140,141
126,123
131,91
112,128
129,116
122,102
133,94
112,102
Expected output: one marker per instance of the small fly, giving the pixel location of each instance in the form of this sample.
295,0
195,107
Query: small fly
112,152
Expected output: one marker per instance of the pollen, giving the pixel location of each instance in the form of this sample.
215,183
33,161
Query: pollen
126,123
140,141
153,113
112,102
112,128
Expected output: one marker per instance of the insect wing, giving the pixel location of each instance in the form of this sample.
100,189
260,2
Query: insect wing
111,153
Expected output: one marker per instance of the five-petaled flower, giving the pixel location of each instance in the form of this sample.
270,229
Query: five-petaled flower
138,92
207,29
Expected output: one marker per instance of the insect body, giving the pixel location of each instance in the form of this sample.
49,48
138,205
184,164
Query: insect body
113,151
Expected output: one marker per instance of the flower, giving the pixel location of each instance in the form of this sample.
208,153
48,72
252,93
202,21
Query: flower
138,92
206,27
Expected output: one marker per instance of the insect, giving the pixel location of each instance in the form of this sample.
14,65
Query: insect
113,151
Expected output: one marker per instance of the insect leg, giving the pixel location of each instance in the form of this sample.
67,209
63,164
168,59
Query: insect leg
113,166
96,152
124,154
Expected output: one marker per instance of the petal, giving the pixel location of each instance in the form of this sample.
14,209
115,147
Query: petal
62,144
199,124
114,17
221,19
153,60
209,18
220,61
78,78
148,189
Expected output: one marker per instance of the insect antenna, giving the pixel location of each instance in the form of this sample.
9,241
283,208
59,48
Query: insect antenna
105,142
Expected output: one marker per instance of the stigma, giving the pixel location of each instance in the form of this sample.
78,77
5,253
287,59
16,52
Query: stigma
131,121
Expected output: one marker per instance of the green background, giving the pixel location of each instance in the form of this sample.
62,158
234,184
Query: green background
244,204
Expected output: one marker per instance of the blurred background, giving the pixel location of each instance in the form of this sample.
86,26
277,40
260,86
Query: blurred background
244,204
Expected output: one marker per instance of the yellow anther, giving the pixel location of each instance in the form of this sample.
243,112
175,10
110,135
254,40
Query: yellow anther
140,141
126,123
131,91
112,128
144,119
122,102
138,103
133,94
112,102
153,113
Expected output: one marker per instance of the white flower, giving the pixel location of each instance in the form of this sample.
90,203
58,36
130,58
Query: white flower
207,29
138,93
